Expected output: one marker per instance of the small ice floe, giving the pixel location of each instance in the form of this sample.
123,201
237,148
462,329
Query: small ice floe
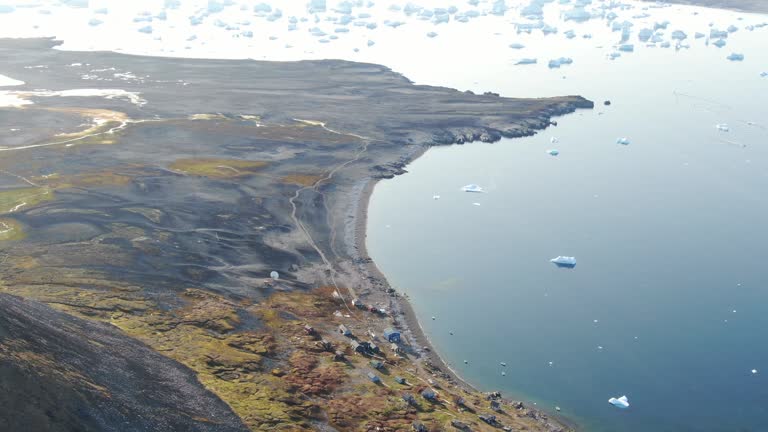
526,61
622,141
274,275
627,48
754,371
614,55
621,402
553,152
556,63
564,261
472,188
735,57
476,204
551,363
433,318
553,140
719,43
764,74
517,46
722,127
8,81
698,35
645,34
466,361
431,34
435,197
503,364
679,35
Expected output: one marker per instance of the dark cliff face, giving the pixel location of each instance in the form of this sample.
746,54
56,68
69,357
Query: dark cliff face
60,373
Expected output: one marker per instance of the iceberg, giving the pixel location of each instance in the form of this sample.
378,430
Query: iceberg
715,34
614,55
578,14
570,34
645,34
472,188
764,74
4,9
102,11
371,43
262,7
564,261
623,141
735,57
665,44
719,43
621,402
679,35
553,152
732,29
95,22
553,140
516,46
626,48
556,63
722,127
146,29
698,35
526,61
316,6
431,34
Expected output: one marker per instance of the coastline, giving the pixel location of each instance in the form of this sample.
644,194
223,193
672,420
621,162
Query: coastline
403,315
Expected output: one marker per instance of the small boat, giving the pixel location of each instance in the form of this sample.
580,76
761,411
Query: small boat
503,364
564,261
472,188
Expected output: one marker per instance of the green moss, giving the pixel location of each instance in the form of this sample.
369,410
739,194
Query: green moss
16,199
11,230
218,168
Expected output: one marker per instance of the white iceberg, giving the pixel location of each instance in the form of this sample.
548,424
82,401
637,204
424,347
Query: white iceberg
627,48
764,74
431,34
564,261
146,29
526,61
621,402
623,141
679,35
556,63
698,35
553,140
735,57
517,46
472,188
732,29
553,152
719,43
722,127
645,34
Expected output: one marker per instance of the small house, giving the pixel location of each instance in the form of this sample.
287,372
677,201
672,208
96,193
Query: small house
366,346
409,399
309,330
373,347
358,347
374,378
339,356
344,330
324,344
460,425
429,394
419,427
377,364
392,335
357,303
400,380
395,348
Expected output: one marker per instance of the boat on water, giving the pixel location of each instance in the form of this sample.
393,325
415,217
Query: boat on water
472,188
564,261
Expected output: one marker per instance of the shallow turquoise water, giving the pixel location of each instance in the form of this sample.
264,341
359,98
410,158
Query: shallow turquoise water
669,233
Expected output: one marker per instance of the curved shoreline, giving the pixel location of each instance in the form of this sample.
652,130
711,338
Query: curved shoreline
404,316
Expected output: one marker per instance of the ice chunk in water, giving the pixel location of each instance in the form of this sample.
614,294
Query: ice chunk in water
553,152
472,188
146,29
732,29
274,275
564,261
722,127
764,74
623,141
431,34
526,61
577,14
735,57
645,34
719,43
627,47
621,402
699,35
679,35
95,22
517,46
556,63
4,9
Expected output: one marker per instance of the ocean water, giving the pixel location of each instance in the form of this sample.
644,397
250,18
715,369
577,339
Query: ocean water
668,302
